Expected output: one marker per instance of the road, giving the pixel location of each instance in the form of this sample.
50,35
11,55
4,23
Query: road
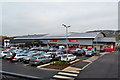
104,67
25,69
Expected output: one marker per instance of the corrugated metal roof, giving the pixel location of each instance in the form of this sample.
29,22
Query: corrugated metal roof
106,39
86,35
63,36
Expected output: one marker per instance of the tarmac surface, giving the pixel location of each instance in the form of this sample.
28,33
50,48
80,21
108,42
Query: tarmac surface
105,66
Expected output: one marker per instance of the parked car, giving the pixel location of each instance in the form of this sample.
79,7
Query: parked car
80,52
3,54
94,50
89,53
73,52
53,49
10,55
27,58
19,57
37,60
68,57
102,50
54,55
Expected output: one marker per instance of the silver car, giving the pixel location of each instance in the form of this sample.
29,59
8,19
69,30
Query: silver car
29,56
37,60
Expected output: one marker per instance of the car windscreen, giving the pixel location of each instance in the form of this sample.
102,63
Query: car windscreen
6,52
64,56
41,57
70,55
33,58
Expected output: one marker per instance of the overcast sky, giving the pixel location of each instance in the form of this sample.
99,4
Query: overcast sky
22,18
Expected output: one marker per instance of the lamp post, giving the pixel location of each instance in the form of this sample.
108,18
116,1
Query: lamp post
66,26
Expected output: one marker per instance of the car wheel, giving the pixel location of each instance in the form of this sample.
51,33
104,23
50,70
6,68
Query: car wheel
70,60
19,60
40,63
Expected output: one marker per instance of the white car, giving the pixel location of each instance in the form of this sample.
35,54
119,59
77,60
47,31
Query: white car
19,57
4,53
68,57
89,53
57,54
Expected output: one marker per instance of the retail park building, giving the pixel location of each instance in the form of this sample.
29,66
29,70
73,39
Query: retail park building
89,39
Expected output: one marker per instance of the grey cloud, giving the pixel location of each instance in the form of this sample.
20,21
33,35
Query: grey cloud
30,18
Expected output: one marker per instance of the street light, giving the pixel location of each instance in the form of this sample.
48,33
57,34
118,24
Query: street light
66,26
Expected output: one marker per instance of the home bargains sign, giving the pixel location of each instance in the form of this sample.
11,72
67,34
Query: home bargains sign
73,40
53,40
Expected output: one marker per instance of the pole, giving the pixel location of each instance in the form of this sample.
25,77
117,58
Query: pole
66,37
96,44
33,42
67,40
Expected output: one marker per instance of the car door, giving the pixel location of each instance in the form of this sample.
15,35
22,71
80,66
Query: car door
43,59
47,59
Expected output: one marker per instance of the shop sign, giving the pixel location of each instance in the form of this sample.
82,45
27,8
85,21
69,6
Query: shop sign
52,40
73,40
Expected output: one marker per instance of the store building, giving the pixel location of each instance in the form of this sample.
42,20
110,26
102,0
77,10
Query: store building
91,39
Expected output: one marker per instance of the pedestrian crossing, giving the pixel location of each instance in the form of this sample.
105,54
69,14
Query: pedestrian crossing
68,73
65,75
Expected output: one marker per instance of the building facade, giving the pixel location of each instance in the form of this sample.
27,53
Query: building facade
91,39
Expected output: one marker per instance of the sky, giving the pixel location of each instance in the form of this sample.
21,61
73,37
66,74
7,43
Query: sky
23,18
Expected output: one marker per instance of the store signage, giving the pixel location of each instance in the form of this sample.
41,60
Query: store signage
53,40
73,40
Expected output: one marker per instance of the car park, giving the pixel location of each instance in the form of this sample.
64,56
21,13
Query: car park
68,57
37,60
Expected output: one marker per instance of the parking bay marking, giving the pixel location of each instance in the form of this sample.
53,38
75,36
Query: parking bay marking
63,77
70,74
26,64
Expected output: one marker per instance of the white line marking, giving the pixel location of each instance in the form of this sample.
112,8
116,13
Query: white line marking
70,74
50,69
43,65
86,65
71,71
63,77
15,63
26,64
